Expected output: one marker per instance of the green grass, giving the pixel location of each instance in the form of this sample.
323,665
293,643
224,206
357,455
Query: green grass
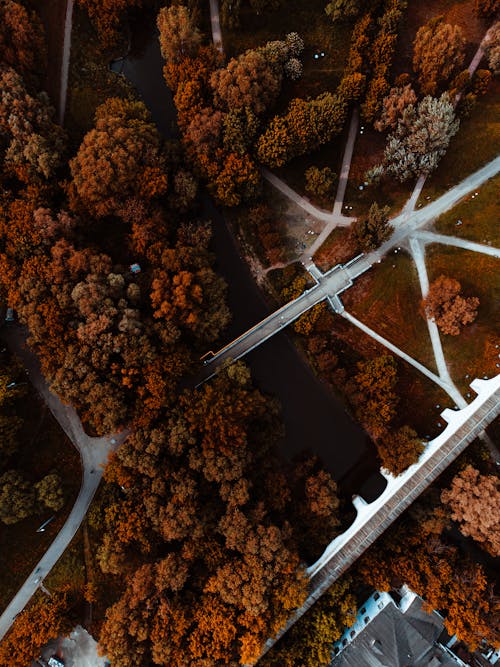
476,143
44,448
387,299
479,216
473,351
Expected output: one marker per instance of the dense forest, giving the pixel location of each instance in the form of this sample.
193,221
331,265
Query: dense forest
204,530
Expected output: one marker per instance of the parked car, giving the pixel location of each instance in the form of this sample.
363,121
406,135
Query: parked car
9,315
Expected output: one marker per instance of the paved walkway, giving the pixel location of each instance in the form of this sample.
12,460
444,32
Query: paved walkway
426,237
346,163
417,252
215,24
63,88
94,454
374,518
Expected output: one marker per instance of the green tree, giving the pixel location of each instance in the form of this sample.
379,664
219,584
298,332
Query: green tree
372,231
320,182
17,497
49,491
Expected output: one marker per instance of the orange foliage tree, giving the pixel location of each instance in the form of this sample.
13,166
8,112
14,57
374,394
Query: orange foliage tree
447,307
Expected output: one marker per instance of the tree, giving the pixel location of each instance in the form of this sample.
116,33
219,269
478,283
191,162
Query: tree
49,492
447,307
22,39
179,37
308,643
107,15
118,161
474,501
371,232
45,619
320,182
17,497
393,107
248,81
439,50
486,8
376,403
343,10
399,450
491,44
421,138
33,143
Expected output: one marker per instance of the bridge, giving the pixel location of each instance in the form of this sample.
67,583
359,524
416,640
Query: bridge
372,519
329,285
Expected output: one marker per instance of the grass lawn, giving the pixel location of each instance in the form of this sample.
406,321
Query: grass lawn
44,449
308,18
418,395
387,299
476,143
338,248
473,352
479,216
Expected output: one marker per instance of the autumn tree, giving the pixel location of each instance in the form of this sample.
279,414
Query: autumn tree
421,138
22,39
486,8
447,307
107,15
179,37
399,449
393,107
17,497
308,643
343,10
49,492
45,619
119,161
491,44
32,144
376,401
247,81
372,231
474,501
320,182
415,551
438,54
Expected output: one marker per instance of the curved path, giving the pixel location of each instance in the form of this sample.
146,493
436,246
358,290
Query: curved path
94,454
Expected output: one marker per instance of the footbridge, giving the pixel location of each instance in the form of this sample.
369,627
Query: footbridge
329,285
372,519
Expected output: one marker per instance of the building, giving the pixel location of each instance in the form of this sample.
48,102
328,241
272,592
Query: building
55,661
390,632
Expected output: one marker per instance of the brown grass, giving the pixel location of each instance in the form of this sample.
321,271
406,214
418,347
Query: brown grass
338,248
387,299
473,351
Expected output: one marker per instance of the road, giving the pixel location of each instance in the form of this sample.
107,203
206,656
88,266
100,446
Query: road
94,454
340,278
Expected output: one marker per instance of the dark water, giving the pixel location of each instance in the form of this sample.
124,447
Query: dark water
314,419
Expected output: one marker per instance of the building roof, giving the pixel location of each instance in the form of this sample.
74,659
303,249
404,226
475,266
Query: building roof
394,636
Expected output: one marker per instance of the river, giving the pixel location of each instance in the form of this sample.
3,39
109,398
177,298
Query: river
314,419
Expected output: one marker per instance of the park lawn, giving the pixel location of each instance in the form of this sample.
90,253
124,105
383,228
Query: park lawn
479,216
387,299
308,19
475,144
339,247
473,351
418,395
44,449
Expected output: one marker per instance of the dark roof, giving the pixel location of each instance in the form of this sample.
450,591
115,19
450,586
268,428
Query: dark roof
396,639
